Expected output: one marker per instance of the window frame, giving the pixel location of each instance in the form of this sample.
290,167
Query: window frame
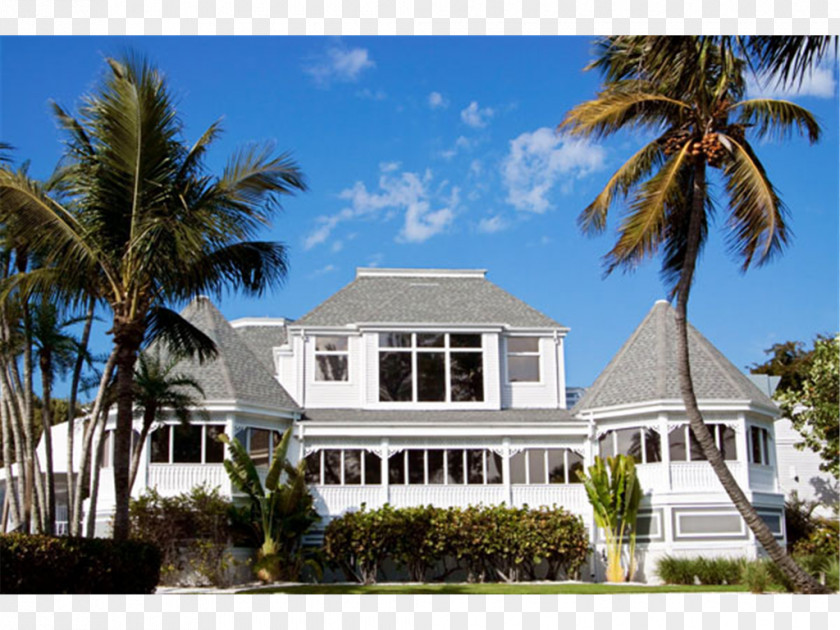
531,353
364,453
544,451
642,429
316,354
170,456
414,350
717,431
764,447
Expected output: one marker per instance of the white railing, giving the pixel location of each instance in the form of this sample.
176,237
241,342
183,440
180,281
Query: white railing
446,496
171,479
652,477
570,497
694,476
762,478
335,500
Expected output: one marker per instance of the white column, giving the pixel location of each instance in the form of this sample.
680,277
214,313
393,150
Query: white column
666,450
386,491
742,449
506,470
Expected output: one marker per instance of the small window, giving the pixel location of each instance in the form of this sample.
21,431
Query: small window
575,464
332,467
313,468
556,466
475,467
517,467
352,468
726,442
653,446
455,467
494,467
523,355
214,451
416,467
160,446
105,449
331,358
396,469
435,464
373,468
186,444
676,444
258,446
536,466
760,446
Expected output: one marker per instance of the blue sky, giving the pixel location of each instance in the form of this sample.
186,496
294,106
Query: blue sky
441,152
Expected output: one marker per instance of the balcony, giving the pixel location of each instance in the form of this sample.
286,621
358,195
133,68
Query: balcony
173,479
699,477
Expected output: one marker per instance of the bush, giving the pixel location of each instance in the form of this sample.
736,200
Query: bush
707,571
45,564
824,540
757,575
488,543
193,531
799,519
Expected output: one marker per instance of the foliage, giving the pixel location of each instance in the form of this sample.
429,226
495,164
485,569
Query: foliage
615,493
43,564
814,407
706,571
488,543
193,531
789,360
799,519
823,540
282,511
757,575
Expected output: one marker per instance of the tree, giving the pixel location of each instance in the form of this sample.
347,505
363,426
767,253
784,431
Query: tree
813,405
159,387
692,101
789,360
147,226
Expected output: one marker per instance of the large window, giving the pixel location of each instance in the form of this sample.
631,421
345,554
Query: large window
187,444
430,367
642,443
445,466
348,467
759,446
684,446
331,358
545,465
523,359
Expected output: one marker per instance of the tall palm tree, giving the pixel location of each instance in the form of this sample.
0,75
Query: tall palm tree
159,387
143,221
700,121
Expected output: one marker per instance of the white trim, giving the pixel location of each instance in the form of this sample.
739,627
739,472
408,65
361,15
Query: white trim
366,272
244,322
677,406
679,514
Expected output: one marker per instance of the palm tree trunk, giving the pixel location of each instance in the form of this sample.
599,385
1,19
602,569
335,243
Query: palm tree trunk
11,493
801,580
74,392
11,411
148,417
76,518
46,420
39,515
127,340
95,468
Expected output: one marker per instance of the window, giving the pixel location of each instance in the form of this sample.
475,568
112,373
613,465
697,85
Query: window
541,466
684,446
759,446
436,466
430,367
187,444
331,357
523,359
643,444
349,467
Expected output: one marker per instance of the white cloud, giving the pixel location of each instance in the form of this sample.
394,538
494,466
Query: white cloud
371,95
339,64
448,154
323,270
337,247
438,100
490,225
820,82
461,144
426,211
539,160
476,116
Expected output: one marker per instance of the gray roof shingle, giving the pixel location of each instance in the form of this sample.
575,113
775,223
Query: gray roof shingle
447,416
432,298
237,373
645,368
261,340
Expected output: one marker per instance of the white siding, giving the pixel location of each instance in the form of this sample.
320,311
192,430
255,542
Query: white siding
541,395
800,470
335,394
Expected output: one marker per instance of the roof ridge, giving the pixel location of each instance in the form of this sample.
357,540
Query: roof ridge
520,301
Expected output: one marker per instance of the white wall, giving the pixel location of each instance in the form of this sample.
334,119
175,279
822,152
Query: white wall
800,469
543,394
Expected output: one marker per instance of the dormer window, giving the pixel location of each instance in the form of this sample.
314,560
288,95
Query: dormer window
523,359
430,367
331,358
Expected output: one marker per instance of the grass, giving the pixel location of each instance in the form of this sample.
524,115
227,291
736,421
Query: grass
488,589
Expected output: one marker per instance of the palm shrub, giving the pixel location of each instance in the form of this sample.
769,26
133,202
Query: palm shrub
283,512
615,493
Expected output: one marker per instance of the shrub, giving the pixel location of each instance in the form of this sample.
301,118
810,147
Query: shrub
824,540
44,564
757,575
487,543
707,571
673,570
799,519
832,573
193,531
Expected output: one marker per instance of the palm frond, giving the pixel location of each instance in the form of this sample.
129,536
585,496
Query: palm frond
241,470
778,118
790,57
757,214
593,219
278,461
179,336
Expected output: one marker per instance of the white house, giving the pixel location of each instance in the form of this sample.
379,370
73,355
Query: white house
425,386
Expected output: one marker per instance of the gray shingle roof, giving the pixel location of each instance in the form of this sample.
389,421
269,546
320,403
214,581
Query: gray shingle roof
236,374
447,416
261,340
434,299
645,368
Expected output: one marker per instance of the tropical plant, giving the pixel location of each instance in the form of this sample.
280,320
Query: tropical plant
283,507
141,220
159,387
614,492
696,110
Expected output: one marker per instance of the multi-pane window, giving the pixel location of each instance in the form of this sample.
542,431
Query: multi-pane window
523,359
445,466
349,467
545,465
642,443
759,446
106,447
684,446
187,444
430,367
331,358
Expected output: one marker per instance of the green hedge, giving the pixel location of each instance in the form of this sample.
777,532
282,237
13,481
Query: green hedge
44,564
487,543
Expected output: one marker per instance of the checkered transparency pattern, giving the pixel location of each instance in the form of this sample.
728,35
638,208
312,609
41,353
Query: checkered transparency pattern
420,17
423,17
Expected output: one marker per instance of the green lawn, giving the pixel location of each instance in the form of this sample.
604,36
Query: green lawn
487,589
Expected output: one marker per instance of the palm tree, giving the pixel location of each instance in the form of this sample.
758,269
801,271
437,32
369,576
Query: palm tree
701,121
144,223
159,387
